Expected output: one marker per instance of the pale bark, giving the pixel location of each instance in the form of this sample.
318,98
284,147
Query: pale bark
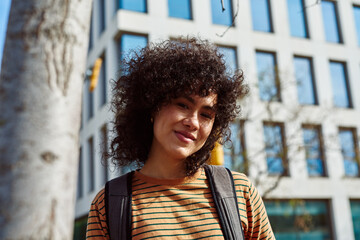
40,103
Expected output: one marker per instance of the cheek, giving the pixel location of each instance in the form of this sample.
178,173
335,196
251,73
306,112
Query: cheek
207,130
157,129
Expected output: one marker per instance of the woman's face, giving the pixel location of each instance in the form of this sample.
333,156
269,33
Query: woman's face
182,127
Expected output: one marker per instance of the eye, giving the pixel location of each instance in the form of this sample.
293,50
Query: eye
208,116
182,105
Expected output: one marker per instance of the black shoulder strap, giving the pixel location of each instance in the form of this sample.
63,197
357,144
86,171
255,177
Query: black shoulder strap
223,191
118,198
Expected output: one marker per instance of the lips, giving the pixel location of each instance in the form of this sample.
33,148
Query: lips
185,136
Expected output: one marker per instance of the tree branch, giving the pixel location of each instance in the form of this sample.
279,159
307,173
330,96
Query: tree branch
233,20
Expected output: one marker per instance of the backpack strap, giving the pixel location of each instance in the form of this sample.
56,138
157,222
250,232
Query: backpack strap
223,191
118,198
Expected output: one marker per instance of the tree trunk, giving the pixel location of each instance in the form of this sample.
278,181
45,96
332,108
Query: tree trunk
40,104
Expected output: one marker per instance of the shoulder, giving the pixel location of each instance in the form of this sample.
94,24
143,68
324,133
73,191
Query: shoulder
243,186
97,209
96,226
239,175
98,204
99,197
241,179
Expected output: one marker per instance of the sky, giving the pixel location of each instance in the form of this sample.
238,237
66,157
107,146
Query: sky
4,15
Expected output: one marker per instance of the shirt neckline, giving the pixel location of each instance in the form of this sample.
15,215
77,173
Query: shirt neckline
170,182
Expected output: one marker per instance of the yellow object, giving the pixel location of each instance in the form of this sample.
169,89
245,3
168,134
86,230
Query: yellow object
217,155
95,74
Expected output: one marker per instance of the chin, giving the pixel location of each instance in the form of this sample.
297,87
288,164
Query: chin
181,153
181,156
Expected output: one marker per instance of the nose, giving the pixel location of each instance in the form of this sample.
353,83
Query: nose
192,122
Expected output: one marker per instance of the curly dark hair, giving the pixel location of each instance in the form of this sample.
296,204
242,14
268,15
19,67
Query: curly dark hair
154,76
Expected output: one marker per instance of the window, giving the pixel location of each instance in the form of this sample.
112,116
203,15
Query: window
4,17
355,212
267,76
261,15
234,155
297,18
314,150
331,21
275,148
90,101
222,17
132,5
82,112
80,177
180,9
104,148
230,57
91,40
304,79
103,83
357,22
130,42
350,152
340,85
299,219
102,14
91,155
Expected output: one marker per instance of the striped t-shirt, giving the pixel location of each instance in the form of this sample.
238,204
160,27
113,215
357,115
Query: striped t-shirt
182,209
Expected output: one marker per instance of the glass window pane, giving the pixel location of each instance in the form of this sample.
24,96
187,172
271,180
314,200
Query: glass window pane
82,112
4,18
331,21
274,148
80,177
357,22
297,18
132,5
304,80
339,82
91,174
348,150
234,155
101,16
268,87
130,42
355,212
230,57
219,16
90,102
180,8
313,151
91,40
299,219
261,15
103,83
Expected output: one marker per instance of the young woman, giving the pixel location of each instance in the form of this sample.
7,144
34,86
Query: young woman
172,102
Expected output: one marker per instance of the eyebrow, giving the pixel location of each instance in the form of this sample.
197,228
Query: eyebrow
208,107
190,99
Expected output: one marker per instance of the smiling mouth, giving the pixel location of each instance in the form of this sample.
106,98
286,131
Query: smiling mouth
184,136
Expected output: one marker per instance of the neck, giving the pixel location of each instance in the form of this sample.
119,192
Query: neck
165,168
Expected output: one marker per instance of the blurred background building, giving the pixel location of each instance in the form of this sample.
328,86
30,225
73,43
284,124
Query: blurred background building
297,137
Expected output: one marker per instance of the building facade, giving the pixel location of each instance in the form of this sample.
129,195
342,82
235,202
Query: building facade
298,135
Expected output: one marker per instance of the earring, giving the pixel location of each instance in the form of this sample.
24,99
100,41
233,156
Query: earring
151,120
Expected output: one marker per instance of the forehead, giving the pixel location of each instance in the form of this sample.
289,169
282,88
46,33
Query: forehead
209,100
